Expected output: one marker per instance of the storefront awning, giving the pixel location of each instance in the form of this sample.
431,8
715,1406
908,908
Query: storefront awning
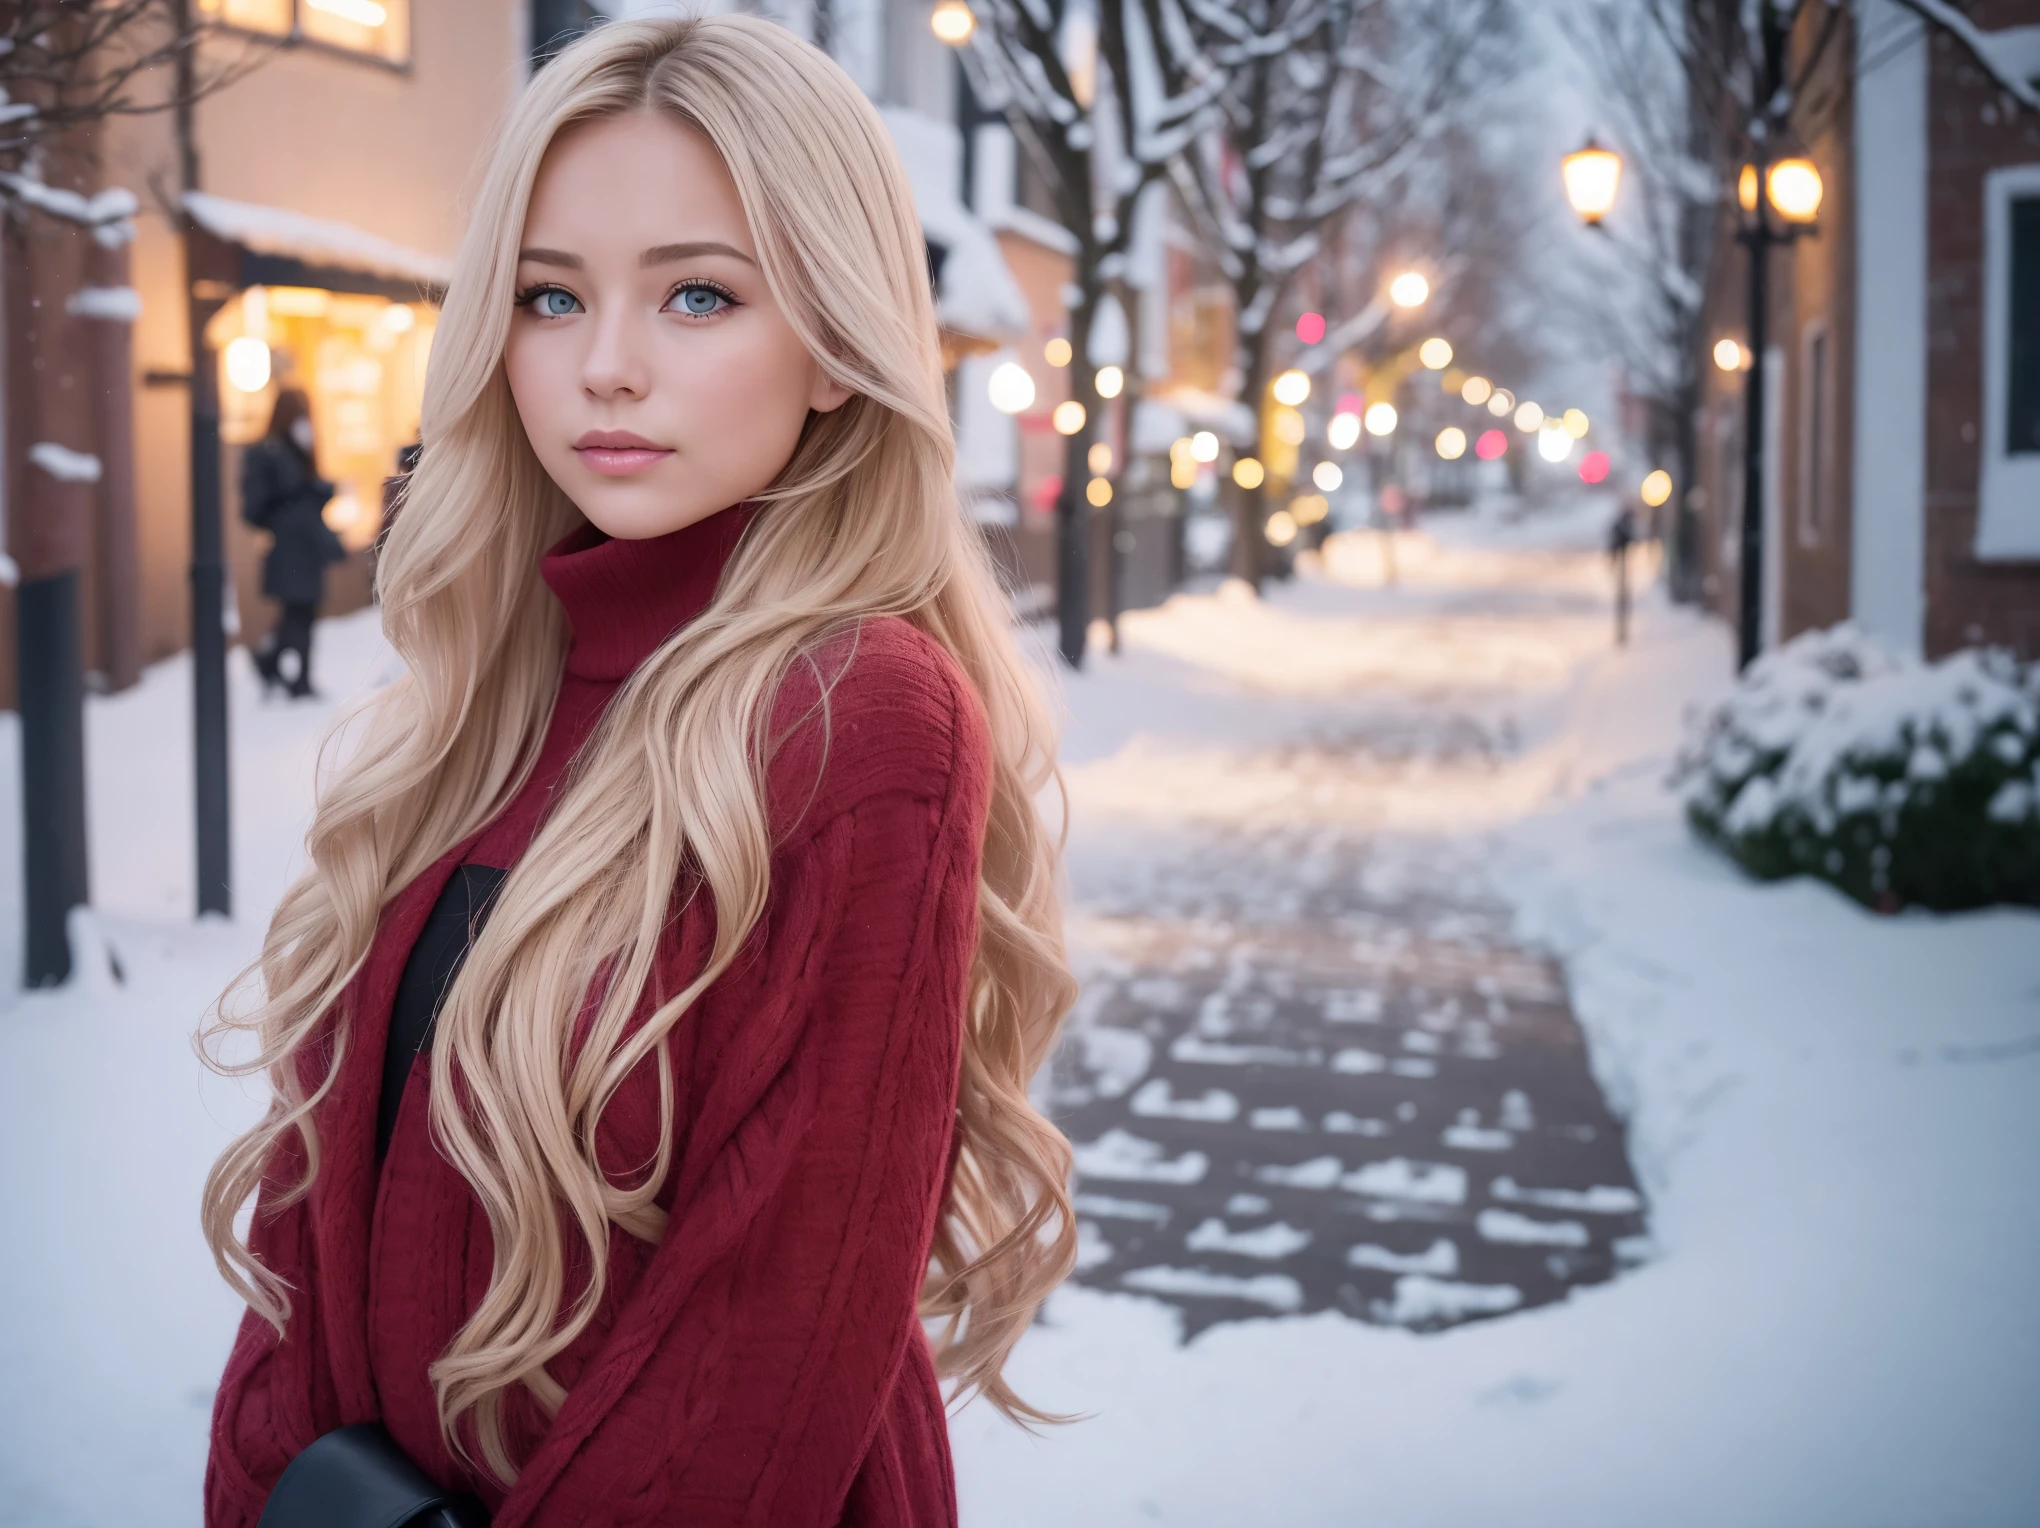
248,244
976,297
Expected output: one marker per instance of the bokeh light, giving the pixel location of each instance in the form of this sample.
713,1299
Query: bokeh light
1068,417
1593,466
1343,433
1057,352
1292,387
1502,403
1099,457
1310,328
1409,290
1204,446
1249,473
1281,528
1380,419
248,363
1529,415
1435,353
1289,427
1309,508
1010,388
1575,421
1099,492
1657,487
1553,444
1477,390
1492,446
1728,355
1327,476
1451,443
1110,381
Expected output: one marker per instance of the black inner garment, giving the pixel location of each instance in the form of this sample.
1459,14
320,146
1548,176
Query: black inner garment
442,947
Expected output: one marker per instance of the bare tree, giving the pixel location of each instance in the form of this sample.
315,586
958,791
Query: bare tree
66,68
1321,104
1103,98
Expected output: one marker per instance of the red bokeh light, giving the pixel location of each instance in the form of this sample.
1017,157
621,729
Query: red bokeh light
1491,446
1311,328
1593,466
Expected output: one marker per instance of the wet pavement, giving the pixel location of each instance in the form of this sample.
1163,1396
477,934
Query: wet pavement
1313,1070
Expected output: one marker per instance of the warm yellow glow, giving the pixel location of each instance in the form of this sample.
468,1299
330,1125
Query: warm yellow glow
248,363
1746,188
1553,444
1728,355
1657,487
1099,492
304,302
1309,508
1452,443
1180,449
1248,473
1204,446
1380,419
1794,188
1327,476
1453,380
1477,390
952,22
1111,380
1575,421
1343,433
1289,427
363,13
1592,175
1057,352
1409,290
1010,388
1529,415
1435,353
1099,457
1068,417
398,319
1292,387
1182,472
1281,528
1502,403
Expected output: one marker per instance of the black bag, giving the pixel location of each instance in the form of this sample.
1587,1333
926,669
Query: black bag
356,1477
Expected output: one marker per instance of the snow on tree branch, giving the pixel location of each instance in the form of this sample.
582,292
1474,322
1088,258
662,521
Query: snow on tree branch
2008,66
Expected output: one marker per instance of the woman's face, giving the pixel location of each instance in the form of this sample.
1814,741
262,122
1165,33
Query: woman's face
656,378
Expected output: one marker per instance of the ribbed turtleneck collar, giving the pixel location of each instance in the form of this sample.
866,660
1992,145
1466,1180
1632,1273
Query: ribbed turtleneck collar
623,598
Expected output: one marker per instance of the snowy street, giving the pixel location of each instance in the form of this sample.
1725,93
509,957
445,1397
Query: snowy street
1459,1142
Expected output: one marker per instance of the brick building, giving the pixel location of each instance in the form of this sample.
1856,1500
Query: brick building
1902,482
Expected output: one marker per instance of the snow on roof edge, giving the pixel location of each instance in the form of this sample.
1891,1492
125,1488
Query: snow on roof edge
978,295
316,241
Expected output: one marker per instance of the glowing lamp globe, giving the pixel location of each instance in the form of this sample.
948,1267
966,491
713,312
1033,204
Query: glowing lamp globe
1728,355
1111,381
952,22
1794,189
1291,388
1657,487
1204,447
248,363
1592,175
1409,290
1010,388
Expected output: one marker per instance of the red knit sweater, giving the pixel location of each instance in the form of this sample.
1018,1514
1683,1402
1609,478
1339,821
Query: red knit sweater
763,1363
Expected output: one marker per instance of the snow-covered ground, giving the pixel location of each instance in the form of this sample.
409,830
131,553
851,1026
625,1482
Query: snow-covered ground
1835,1116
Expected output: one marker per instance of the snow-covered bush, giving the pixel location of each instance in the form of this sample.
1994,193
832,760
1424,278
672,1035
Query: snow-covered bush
1901,782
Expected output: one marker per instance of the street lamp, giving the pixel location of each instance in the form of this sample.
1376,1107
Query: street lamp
1592,174
1409,290
952,22
1786,210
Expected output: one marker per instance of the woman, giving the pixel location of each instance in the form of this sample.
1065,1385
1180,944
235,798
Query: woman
282,493
714,825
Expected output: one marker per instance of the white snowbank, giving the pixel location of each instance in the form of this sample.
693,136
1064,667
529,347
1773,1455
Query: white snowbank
316,241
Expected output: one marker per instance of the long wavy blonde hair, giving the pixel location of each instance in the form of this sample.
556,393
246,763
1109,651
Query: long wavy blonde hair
863,521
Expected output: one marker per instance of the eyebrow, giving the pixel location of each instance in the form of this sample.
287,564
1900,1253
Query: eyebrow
663,254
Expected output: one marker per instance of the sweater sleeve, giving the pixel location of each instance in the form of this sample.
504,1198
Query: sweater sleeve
805,1200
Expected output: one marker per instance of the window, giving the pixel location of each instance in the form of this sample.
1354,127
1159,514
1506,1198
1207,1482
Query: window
2008,497
378,28
1816,428
2022,391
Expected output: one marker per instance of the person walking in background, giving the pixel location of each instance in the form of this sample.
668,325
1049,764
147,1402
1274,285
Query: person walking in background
282,493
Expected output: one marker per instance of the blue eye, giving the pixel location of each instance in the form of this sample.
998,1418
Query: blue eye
698,301
556,302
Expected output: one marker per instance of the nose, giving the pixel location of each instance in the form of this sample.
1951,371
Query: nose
615,365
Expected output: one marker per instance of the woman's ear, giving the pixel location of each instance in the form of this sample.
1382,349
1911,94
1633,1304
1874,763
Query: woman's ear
827,394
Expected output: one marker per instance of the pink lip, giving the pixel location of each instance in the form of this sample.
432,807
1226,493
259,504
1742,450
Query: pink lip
618,453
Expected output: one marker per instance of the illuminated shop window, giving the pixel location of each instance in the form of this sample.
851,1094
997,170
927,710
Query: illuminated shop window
379,28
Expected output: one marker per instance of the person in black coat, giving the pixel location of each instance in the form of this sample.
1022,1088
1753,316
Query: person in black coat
282,493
